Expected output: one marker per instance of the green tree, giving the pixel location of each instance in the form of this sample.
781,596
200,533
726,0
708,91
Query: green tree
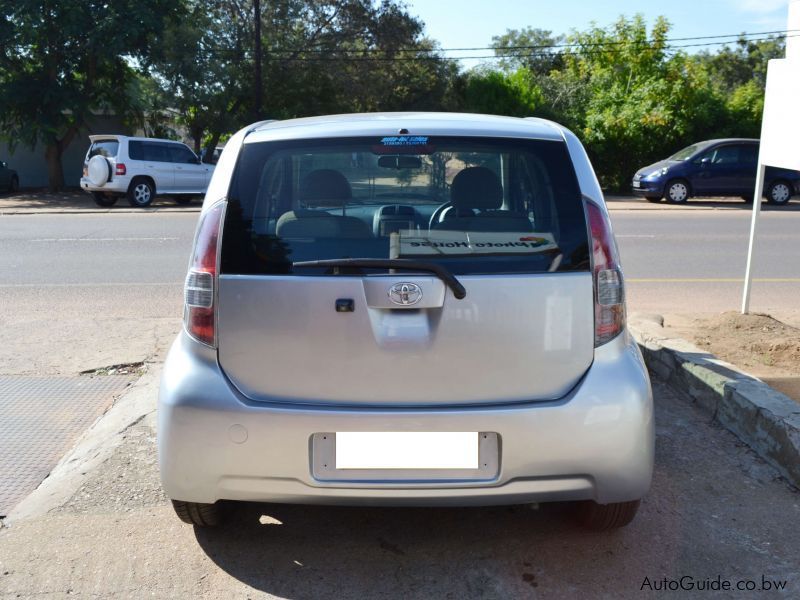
499,93
203,67
746,61
60,61
537,50
319,57
639,102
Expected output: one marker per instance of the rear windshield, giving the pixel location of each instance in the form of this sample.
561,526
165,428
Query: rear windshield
473,205
107,148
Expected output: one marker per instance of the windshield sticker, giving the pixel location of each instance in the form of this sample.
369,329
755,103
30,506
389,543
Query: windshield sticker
408,144
417,243
405,140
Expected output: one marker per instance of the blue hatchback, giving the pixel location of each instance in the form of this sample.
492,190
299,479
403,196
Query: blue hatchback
725,167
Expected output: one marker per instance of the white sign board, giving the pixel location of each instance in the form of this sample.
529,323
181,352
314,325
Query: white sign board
780,128
424,243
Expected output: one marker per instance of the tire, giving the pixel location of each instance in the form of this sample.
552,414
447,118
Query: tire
653,198
103,200
602,517
779,192
195,513
13,187
141,192
677,191
183,200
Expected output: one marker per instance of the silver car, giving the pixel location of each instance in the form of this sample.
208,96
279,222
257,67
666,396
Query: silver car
405,310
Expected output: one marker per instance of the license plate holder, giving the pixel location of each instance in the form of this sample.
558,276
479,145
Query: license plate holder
324,463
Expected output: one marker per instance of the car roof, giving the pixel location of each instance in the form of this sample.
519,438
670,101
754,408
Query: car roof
114,136
416,123
728,141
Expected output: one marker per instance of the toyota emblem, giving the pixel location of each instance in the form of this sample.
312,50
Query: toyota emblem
405,293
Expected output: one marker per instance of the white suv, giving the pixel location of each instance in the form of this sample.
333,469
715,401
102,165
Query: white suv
141,168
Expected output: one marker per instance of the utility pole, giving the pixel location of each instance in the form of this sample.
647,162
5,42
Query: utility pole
257,16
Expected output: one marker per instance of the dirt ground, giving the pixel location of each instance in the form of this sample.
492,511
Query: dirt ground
756,343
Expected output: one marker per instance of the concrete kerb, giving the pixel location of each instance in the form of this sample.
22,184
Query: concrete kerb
764,419
93,448
90,211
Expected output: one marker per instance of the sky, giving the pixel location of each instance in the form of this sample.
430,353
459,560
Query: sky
472,23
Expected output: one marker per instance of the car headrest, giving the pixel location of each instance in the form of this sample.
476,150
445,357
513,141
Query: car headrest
325,187
476,187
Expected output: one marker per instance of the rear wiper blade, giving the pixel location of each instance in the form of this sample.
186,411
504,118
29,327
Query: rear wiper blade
392,263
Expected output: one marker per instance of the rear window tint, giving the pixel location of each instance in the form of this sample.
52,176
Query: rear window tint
474,205
155,151
107,148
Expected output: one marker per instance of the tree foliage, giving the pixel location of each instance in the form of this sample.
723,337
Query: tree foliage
536,50
319,57
190,64
628,96
61,61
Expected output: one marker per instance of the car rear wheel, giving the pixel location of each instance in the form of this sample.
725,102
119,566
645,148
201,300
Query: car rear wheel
653,198
102,200
141,192
601,517
779,192
677,191
14,185
196,513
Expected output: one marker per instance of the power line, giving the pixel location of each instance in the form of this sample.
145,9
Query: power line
643,45
782,33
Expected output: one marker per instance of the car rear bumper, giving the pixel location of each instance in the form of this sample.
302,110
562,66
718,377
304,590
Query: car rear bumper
118,185
596,443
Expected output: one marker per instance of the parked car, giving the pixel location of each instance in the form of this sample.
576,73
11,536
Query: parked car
405,309
140,169
211,158
725,167
9,180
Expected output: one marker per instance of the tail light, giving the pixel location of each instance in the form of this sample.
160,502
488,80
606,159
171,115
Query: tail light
120,169
609,288
200,288
85,170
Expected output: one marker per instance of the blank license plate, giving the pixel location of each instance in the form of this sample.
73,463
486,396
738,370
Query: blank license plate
637,184
407,450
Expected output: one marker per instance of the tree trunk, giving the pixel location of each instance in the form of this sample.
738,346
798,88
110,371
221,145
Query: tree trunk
212,144
55,170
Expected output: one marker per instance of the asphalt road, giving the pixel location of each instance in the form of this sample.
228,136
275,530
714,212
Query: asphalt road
80,292
692,260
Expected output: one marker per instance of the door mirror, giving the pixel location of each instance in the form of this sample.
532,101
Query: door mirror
705,161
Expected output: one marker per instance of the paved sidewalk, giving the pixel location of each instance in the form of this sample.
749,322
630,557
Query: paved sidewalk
42,418
80,202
